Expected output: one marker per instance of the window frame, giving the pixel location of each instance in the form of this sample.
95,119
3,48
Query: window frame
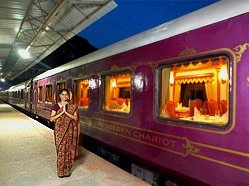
102,92
195,124
40,93
46,100
75,96
58,89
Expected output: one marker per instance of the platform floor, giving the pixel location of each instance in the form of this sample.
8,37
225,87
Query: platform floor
28,157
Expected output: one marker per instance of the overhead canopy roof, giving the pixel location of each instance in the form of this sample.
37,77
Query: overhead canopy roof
41,26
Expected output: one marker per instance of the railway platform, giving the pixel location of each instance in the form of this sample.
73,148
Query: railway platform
28,157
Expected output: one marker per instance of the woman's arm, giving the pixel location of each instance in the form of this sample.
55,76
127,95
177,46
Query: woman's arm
53,115
74,116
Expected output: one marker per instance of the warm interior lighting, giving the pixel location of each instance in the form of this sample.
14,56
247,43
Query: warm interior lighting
114,83
24,53
171,78
223,74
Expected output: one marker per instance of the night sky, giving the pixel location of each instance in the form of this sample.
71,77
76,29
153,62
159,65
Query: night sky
134,16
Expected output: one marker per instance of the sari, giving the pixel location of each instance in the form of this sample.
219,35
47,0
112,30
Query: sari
66,141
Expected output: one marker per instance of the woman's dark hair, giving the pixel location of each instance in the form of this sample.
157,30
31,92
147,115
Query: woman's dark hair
64,89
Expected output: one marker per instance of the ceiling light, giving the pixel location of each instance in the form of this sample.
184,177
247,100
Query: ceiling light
24,53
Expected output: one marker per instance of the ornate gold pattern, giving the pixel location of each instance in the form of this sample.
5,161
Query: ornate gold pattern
190,149
114,67
153,67
188,146
133,68
239,50
187,52
222,162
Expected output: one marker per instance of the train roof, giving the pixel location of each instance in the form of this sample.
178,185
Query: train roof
216,12
19,86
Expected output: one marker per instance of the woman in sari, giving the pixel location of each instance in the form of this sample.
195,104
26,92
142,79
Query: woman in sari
65,117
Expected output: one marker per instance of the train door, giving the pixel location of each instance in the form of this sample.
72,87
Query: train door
26,95
35,98
29,96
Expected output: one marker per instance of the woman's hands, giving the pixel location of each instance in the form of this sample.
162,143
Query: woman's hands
64,108
74,116
55,116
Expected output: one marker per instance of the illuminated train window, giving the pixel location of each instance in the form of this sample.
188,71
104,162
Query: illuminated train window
196,91
82,93
59,87
40,93
49,95
117,92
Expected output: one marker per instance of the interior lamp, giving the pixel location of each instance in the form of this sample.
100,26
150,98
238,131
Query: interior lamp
223,74
114,83
171,78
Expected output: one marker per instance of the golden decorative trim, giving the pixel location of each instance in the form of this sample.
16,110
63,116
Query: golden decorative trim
162,148
153,66
187,141
208,77
230,151
194,76
187,52
221,162
188,145
190,149
114,67
133,68
239,50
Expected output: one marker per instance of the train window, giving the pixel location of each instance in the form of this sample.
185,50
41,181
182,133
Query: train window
59,87
15,94
117,92
22,94
82,93
18,94
40,93
49,93
196,91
